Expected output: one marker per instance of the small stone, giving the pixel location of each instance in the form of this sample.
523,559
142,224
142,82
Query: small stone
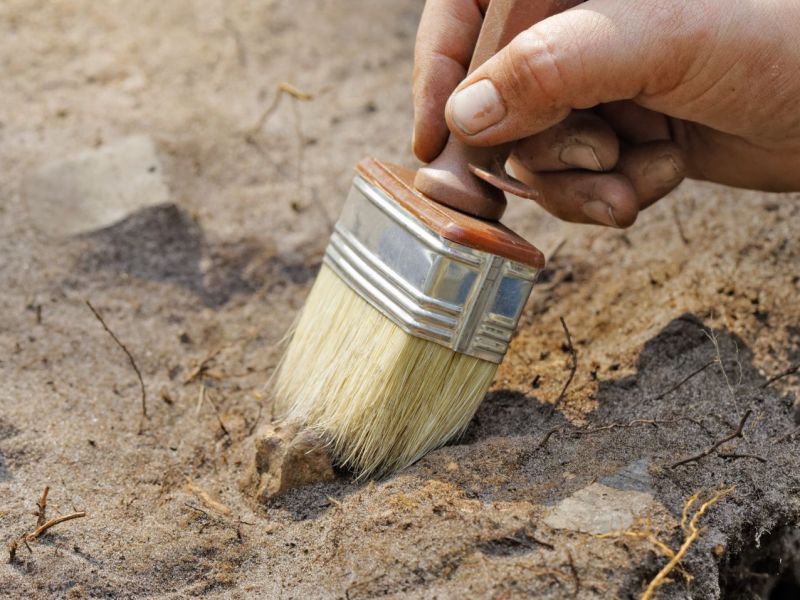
598,509
288,456
95,188
613,504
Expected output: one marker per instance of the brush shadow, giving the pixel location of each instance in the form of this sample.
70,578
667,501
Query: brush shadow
509,413
501,456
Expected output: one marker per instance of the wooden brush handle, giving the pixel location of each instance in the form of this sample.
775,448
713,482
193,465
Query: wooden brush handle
504,20
447,179
452,225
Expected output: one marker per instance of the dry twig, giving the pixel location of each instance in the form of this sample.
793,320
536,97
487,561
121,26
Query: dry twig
218,415
41,507
679,225
297,95
196,508
736,434
637,423
42,525
734,455
573,368
546,437
694,373
790,371
54,521
281,89
556,249
251,429
127,353
207,499
524,541
202,366
294,91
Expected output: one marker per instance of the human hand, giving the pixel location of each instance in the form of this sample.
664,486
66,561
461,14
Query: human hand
613,103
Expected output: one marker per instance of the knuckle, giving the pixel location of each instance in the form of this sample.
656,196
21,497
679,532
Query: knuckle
535,67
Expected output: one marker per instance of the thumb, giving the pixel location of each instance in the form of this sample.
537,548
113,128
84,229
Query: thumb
600,51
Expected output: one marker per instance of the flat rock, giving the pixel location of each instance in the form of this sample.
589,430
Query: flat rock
287,456
613,504
95,188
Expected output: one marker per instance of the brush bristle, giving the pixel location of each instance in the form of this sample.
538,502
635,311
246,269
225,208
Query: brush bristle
384,397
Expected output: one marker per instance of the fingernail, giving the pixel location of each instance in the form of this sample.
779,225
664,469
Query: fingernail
600,212
580,156
477,107
663,170
518,171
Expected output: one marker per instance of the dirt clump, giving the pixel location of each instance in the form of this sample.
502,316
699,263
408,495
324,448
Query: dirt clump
287,456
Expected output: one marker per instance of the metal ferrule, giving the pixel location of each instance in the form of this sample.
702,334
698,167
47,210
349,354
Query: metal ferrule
464,299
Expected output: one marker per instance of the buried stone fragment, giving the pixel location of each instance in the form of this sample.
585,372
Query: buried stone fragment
288,456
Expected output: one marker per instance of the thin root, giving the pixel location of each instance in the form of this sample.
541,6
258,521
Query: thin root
693,532
282,88
694,373
546,437
572,369
638,423
127,352
736,434
790,371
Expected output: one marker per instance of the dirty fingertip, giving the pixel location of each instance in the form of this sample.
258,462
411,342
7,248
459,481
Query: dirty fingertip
612,202
428,141
601,213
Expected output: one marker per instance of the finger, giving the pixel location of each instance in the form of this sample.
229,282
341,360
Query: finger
581,197
581,141
654,170
600,51
446,38
634,123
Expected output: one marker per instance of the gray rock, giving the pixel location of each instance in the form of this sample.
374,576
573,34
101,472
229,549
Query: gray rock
95,188
613,504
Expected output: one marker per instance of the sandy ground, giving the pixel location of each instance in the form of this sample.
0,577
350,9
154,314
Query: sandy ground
201,288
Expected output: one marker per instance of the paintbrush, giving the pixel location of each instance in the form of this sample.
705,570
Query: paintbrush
418,296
